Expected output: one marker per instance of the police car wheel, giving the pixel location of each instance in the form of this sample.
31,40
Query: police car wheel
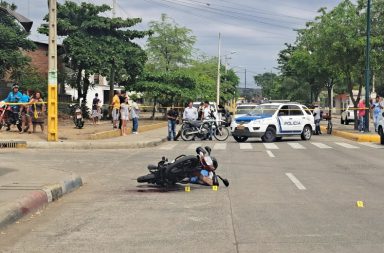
240,138
269,135
306,134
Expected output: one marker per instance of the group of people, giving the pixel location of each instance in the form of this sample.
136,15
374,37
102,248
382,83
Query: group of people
190,114
29,107
376,106
123,110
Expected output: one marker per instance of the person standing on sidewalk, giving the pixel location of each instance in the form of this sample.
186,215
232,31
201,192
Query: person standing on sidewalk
96,109
376,106
115,108
135,116
361,115
172,116
316,115
38,110
124,112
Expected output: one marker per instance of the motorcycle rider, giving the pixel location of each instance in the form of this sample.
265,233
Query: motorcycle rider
14,97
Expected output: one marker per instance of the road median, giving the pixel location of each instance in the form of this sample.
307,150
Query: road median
37,199
358,137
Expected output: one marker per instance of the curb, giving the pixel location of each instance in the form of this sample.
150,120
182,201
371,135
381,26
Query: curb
354,136
116,133
96,145
37,199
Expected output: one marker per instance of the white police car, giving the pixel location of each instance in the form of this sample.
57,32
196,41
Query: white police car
273,121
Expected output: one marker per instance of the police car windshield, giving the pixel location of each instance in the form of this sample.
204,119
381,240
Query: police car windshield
245,109
264,110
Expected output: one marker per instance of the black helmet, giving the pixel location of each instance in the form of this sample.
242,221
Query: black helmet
15,85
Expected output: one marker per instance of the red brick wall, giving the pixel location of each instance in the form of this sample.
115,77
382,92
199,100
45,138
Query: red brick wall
39,58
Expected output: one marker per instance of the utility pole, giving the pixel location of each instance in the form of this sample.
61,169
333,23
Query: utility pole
218,73
52,73
245,79
367,66
112,77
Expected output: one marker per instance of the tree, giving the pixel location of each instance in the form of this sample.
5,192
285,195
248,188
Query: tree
13,37
170,46
98,44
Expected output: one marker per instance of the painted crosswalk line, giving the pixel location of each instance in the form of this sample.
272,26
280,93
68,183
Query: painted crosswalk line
168,146
296,145
321,145
296,181
270,154
220,146
193,146
270,146
346,145
372,145
245,146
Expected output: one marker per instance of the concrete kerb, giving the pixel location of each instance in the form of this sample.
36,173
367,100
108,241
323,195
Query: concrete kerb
36,200
354,136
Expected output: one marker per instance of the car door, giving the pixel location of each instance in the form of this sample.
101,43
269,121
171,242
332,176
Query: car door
296,118
284,122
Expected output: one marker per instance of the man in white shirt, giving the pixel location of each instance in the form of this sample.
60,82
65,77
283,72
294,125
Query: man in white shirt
317,117
190,112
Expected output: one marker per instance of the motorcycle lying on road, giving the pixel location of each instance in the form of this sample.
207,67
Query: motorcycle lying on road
8,117
202,129
184,167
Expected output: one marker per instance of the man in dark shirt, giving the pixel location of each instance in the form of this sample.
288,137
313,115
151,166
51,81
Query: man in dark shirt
172,115
96,109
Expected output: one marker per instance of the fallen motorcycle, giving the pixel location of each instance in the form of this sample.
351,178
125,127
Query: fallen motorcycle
184,167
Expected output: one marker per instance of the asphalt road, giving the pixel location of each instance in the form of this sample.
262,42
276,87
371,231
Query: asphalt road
292,196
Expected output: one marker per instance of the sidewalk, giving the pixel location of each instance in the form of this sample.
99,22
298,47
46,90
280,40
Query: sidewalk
23,190
348,132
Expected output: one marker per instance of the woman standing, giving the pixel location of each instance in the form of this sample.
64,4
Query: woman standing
38,110
124,112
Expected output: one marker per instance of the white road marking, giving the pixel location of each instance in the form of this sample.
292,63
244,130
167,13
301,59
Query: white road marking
220,146
346,145
168,146
321,145
371,145
269,152
194,146
296,145
245,146
296,181
270,146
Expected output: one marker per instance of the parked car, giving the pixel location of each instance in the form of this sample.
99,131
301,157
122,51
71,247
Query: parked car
347,116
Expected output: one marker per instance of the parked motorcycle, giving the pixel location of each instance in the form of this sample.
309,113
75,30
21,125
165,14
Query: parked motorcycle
202,129
8,117
169,173
78,118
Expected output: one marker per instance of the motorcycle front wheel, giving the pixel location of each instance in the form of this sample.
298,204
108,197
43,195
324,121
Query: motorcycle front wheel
221,133
186,134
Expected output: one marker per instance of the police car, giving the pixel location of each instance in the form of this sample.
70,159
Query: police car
273,121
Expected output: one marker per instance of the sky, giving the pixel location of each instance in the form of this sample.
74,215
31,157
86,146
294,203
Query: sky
252,31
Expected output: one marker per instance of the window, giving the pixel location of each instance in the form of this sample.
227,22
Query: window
295,110
96,79
284,111
307,111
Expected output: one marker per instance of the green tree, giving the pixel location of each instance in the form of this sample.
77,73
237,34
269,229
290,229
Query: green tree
13,37
97,44
170,46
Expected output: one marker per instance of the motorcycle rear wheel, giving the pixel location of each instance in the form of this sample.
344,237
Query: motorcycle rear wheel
185,134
